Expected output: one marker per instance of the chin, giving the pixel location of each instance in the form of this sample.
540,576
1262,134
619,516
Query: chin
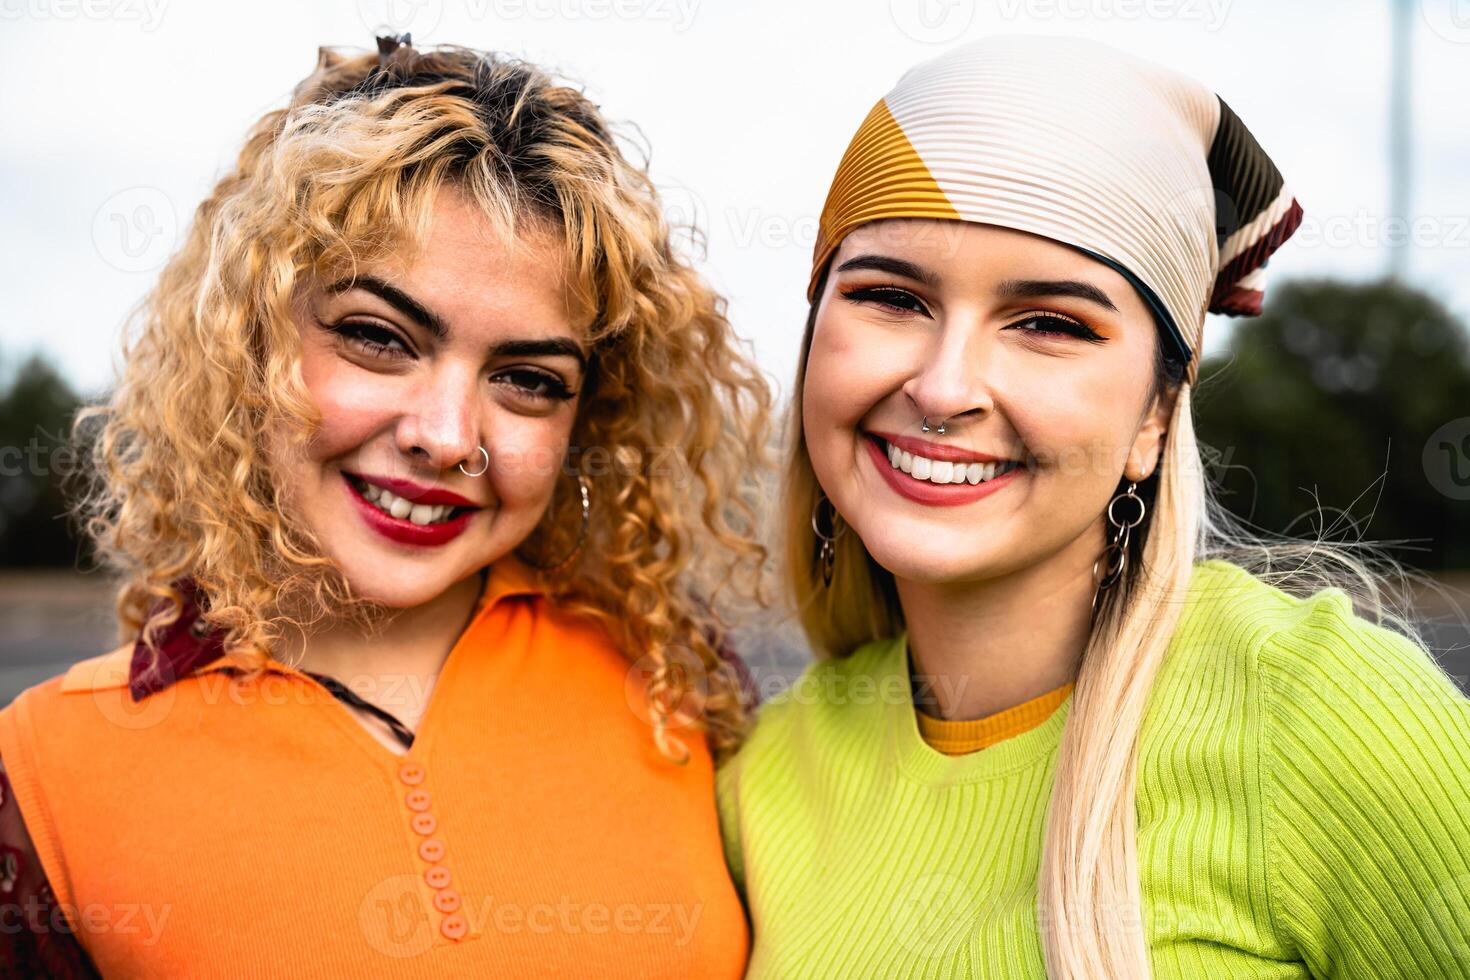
397,588
928,566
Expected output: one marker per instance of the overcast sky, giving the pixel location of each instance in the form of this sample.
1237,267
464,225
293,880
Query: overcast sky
119,115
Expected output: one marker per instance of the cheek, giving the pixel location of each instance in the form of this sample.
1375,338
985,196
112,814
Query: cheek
528,460
847,375
1079,424
353,404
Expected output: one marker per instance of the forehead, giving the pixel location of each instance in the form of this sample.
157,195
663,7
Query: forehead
480,276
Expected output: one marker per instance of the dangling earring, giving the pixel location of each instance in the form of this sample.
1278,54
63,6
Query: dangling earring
581,534
1114,558
827,554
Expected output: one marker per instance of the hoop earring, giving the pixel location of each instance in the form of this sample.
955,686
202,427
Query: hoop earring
486,456
1114,559
581,533
924,426
827,555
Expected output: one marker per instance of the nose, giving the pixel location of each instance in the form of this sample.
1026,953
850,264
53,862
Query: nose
441,427
951,383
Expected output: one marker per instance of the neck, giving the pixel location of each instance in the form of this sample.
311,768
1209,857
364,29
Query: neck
980,647
394,667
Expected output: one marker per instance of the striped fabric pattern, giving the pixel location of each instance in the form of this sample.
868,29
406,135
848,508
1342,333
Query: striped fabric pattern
1303,806
1080,143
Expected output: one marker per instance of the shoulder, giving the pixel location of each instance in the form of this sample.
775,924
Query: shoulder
1315,660
104,672
832,701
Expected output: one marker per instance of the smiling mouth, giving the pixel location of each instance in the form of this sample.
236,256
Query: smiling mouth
403,509
943,472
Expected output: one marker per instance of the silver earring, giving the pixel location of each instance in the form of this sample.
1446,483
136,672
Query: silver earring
1114,559
925,426
486,456
827,554
581,533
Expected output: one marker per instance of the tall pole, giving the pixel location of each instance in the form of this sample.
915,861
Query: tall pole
1400,143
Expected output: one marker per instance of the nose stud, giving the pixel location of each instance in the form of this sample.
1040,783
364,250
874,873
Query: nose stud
925,427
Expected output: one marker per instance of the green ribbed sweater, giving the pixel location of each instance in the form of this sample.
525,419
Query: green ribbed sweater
1303,802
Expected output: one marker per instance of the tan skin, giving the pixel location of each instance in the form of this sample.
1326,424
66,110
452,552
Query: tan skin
968,323
398,401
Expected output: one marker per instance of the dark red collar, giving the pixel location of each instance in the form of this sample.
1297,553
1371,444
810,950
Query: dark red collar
183,647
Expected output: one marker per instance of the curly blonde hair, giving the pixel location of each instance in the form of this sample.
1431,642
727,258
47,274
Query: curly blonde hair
183,484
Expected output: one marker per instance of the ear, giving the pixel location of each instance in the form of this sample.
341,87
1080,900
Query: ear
1148,445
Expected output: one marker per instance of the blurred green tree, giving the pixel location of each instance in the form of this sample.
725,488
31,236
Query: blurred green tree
1331,398
36,408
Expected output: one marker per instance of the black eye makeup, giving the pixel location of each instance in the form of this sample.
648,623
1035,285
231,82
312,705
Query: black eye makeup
534,384
371,338
1054,324
891,298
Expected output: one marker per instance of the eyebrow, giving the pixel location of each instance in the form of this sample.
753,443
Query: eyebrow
1040,288
434,324
886,263
1010,289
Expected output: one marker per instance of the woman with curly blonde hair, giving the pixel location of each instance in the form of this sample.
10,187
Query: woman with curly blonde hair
1074,722
425,478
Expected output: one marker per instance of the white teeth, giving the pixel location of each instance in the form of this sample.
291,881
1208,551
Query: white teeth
402,509
944,472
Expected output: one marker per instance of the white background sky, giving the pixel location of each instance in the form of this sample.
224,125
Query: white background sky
118,116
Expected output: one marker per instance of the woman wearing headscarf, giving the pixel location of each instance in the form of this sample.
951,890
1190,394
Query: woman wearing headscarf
1072,721
422,466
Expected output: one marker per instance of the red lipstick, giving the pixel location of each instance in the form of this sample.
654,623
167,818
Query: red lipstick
937,494
402,530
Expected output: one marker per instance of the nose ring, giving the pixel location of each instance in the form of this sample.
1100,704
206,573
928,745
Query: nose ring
482,469
925,427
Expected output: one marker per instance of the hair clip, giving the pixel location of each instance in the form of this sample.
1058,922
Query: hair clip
389,43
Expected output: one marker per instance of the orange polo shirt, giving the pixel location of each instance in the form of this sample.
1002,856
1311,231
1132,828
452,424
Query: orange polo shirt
223,828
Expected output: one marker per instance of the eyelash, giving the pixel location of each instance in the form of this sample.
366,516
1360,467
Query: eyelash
360,336
883,296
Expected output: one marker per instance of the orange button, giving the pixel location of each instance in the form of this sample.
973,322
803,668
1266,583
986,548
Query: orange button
411,773
437,876
432,850
417,799
424,824
447,900
454,926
